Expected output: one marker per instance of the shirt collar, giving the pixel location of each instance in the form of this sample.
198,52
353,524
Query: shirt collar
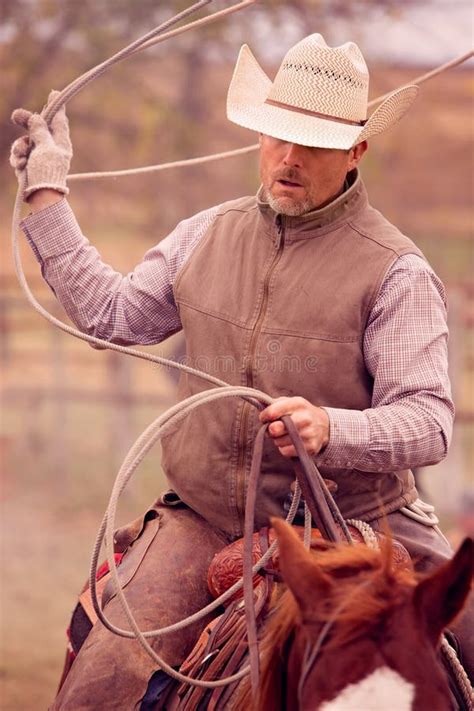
351,200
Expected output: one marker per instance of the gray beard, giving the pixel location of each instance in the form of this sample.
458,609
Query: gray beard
286,206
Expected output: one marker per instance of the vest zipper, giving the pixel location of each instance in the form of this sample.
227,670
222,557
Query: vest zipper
244,423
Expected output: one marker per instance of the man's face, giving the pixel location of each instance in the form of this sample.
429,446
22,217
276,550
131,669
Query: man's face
297,179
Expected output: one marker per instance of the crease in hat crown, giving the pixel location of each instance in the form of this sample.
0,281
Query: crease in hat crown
319,96
329,80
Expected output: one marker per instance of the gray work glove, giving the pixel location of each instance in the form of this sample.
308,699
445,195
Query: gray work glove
44,153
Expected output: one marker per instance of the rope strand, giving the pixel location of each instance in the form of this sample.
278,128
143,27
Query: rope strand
141,447
429,75
164,166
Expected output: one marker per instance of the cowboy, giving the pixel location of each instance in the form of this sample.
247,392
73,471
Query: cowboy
303,291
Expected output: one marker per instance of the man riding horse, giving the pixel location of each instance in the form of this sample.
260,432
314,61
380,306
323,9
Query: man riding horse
304,291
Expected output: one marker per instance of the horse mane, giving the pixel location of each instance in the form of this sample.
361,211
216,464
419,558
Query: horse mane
367,587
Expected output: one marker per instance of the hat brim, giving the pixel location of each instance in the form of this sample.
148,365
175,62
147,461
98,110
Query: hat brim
246,107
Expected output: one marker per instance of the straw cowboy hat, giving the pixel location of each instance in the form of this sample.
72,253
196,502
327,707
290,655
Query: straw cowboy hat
318,98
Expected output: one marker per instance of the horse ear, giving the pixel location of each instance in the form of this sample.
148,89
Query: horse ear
299,568
441,596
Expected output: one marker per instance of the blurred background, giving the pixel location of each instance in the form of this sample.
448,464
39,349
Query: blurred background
70,413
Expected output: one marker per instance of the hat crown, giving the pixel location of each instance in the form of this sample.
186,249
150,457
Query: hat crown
328,80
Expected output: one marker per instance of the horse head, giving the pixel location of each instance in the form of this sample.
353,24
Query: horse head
355,631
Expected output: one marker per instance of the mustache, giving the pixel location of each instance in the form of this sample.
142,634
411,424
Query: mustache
292,175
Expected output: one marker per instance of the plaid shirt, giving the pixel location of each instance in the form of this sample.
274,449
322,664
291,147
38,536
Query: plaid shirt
405,344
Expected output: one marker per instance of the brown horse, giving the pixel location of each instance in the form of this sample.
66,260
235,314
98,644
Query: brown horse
355,632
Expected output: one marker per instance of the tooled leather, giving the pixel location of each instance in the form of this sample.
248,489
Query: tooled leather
227,565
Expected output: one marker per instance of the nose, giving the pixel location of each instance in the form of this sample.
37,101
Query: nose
293,156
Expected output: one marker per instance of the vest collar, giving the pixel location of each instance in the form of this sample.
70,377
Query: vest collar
351,200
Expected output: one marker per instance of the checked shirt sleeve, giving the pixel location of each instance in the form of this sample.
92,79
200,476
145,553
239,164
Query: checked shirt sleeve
138,308
405,351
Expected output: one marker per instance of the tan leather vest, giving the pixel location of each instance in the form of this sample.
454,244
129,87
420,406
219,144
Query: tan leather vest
281,304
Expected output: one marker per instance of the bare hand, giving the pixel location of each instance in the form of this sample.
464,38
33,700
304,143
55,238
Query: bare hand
311,422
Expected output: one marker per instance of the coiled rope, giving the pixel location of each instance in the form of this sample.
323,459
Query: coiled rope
136,454
151,38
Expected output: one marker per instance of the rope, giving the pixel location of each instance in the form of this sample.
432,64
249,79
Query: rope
423,513
153,37
200,23
462,679
82,81
433,73
249,149
163,166
366,531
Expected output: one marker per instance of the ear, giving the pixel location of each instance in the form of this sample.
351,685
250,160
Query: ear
356,154
441,596
299,568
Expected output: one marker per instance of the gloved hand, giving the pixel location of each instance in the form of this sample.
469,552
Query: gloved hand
45,153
